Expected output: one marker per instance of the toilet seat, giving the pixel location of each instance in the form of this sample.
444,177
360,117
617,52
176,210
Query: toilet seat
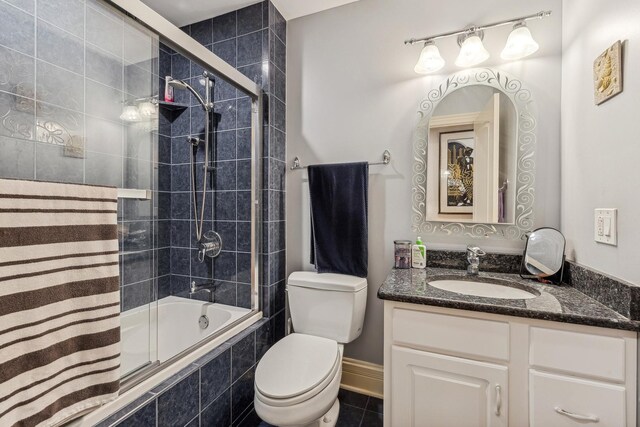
295,369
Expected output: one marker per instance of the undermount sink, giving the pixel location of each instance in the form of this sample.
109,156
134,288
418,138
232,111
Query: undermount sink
495,289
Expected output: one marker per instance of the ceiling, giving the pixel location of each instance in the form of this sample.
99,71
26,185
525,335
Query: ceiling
183,12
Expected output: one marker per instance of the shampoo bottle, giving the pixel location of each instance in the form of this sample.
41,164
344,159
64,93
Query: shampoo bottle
419,254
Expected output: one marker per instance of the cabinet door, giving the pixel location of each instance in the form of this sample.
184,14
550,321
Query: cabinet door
434,390
560,401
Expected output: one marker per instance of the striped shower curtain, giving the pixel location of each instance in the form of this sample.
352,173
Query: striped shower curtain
59,301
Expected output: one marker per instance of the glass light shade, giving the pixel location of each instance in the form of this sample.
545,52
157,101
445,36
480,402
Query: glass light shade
519,44
147,110
472,52
430,60
130,113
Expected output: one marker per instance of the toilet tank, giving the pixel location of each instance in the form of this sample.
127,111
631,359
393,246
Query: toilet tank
327,305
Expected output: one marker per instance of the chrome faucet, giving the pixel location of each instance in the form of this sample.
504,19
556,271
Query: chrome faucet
473,257
206,288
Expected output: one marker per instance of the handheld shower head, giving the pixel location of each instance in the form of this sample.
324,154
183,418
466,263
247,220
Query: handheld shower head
178,84
182,85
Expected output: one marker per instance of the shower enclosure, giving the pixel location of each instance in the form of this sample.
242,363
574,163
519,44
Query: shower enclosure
82,101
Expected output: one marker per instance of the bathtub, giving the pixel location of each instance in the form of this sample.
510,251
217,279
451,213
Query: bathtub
180,324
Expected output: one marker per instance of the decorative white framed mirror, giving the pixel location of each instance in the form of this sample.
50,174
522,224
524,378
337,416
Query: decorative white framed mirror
474,157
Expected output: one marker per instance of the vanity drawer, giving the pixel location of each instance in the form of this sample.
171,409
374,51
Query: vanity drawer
577,353
563,401
486,339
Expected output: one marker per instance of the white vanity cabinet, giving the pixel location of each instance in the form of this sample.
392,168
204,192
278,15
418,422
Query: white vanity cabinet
447,367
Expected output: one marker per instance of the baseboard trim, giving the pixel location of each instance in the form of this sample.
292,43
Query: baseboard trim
362,377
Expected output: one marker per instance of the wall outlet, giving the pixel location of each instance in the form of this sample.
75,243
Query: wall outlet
606,226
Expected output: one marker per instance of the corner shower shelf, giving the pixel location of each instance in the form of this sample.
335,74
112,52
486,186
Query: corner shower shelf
172,106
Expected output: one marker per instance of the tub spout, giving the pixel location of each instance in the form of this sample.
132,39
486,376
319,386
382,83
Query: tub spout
206,287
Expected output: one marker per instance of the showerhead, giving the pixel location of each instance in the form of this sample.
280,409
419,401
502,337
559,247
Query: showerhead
182,85
178,84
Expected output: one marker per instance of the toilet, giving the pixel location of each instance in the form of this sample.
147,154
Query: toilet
297,380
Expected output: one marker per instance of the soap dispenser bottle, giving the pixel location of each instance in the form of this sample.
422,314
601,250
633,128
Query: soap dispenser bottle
419,254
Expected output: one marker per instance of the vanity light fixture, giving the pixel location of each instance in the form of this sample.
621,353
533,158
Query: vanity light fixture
472,51
130,113
430,59
520,44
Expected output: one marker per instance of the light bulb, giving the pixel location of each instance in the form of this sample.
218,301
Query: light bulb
430,60
130,113
472,52
147,110
519,44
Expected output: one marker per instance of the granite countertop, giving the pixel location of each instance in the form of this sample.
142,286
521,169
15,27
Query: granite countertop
562,303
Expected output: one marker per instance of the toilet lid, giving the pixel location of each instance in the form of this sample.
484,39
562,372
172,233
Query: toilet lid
295,365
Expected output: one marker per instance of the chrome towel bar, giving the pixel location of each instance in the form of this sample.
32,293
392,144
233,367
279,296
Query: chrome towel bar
386,159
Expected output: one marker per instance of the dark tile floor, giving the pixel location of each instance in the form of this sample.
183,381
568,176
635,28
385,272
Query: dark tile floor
356,410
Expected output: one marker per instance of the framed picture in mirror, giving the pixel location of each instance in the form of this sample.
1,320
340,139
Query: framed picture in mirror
456,172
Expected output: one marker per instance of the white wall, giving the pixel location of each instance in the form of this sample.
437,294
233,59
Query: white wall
600,144
352,93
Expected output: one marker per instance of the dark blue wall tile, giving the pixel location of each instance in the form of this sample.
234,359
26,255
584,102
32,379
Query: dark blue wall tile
164,149
225,175
277,144
226,50
143,417
225,144
202,31
225,206
249,19
244,295
224,266
181,205
181,125
278,24
277,267
242,394
180,67
225,293
243,141
178,405
164,286
244,175
181,177
278,53
202,270
136,267
180,261
264,339
215,378
224,27
244,113
181,233
256,73
223,91
227,231
244,205
242,356
136,295
244,236
218,413
249,49
244,267
180,150
227,115
179,284
278,114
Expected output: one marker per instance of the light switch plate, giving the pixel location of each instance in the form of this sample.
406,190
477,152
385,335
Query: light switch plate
606,226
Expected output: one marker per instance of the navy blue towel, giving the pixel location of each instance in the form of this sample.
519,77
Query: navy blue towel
339,201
